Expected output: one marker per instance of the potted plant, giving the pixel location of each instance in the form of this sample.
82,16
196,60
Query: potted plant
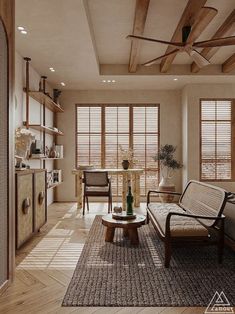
168,165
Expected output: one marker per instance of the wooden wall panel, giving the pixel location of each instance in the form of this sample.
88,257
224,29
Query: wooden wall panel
7,13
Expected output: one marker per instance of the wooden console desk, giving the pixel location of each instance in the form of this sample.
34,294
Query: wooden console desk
130,174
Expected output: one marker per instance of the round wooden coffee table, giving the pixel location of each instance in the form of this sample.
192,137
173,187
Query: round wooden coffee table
130,227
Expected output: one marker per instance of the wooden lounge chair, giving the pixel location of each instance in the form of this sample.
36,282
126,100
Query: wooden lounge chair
197,215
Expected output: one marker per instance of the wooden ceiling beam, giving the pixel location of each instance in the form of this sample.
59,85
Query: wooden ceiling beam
188,18
229,64
226,29
141,10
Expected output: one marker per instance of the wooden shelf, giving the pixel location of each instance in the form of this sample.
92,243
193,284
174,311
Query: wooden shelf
45,99
39,127
45,158
54,185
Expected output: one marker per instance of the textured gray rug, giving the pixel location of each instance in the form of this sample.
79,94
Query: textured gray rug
121,275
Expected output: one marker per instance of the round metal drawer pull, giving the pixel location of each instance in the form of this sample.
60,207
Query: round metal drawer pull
26,205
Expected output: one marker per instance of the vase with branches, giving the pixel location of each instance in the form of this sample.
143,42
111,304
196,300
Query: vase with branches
168,164
127,156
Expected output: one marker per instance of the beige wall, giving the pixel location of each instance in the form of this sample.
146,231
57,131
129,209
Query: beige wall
191,95
170,125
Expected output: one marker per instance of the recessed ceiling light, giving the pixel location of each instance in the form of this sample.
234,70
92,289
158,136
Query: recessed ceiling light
20,28
52,69
113,81
62,83
109,81
23,32
104,81
175,79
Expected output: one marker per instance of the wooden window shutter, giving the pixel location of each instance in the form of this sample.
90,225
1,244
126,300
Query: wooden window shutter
89,136
146,143
216,140
102,128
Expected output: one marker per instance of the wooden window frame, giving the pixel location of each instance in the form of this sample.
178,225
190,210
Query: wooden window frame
103,133
232,179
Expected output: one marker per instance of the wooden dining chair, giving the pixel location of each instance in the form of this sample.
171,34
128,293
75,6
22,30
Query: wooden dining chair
97,184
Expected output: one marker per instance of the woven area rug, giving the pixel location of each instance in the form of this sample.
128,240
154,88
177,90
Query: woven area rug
118,274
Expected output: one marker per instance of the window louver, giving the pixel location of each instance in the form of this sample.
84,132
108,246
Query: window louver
216,137
102,128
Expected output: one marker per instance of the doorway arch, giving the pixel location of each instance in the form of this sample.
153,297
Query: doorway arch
4,154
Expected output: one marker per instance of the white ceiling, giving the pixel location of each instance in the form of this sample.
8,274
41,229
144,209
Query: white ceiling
76,37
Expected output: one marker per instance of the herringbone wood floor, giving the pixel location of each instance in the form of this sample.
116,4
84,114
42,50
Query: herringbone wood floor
46,263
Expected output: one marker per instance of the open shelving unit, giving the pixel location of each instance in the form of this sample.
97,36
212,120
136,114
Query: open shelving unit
54,185
45,101
45,129
45,158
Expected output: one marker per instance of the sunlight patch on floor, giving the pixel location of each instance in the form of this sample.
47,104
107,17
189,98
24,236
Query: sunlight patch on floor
53,253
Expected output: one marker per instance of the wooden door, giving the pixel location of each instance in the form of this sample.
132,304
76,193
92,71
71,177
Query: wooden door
40,206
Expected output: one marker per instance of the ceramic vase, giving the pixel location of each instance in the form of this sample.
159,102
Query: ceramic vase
166,185
125,164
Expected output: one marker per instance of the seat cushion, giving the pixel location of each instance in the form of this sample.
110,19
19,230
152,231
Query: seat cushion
179,226
97,190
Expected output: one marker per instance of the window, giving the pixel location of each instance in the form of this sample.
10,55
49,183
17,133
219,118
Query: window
102,128
216,140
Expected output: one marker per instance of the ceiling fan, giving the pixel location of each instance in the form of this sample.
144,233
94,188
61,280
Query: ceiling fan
187,45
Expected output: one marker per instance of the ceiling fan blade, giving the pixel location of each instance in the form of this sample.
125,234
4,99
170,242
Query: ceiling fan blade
217,42
151,62
198,58
173,44
204,18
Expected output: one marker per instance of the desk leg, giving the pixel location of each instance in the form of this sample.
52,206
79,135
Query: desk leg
124,190
79,190
133,184
137,190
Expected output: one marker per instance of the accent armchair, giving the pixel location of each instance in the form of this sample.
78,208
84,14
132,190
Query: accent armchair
97,184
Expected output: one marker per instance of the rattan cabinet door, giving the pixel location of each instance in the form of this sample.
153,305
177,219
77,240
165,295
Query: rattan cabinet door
24,208
39,200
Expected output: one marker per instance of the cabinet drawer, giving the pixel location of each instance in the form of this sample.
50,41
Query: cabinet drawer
24,208
39,200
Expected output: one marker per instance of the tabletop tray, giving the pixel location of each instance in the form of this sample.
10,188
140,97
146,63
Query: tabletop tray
123,216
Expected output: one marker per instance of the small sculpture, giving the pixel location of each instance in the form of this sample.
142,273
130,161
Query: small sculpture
117,209
56,94
23,141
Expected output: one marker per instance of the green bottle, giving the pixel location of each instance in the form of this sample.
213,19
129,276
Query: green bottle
129,200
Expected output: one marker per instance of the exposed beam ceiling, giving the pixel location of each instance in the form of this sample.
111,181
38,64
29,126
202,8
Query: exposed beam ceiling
229,64
188,18
226,29
205,16
141,11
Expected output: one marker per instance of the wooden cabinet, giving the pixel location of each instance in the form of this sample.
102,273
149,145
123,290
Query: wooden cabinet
31,209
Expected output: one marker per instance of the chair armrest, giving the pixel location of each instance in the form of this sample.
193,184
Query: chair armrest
158,192
168,218
230,197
